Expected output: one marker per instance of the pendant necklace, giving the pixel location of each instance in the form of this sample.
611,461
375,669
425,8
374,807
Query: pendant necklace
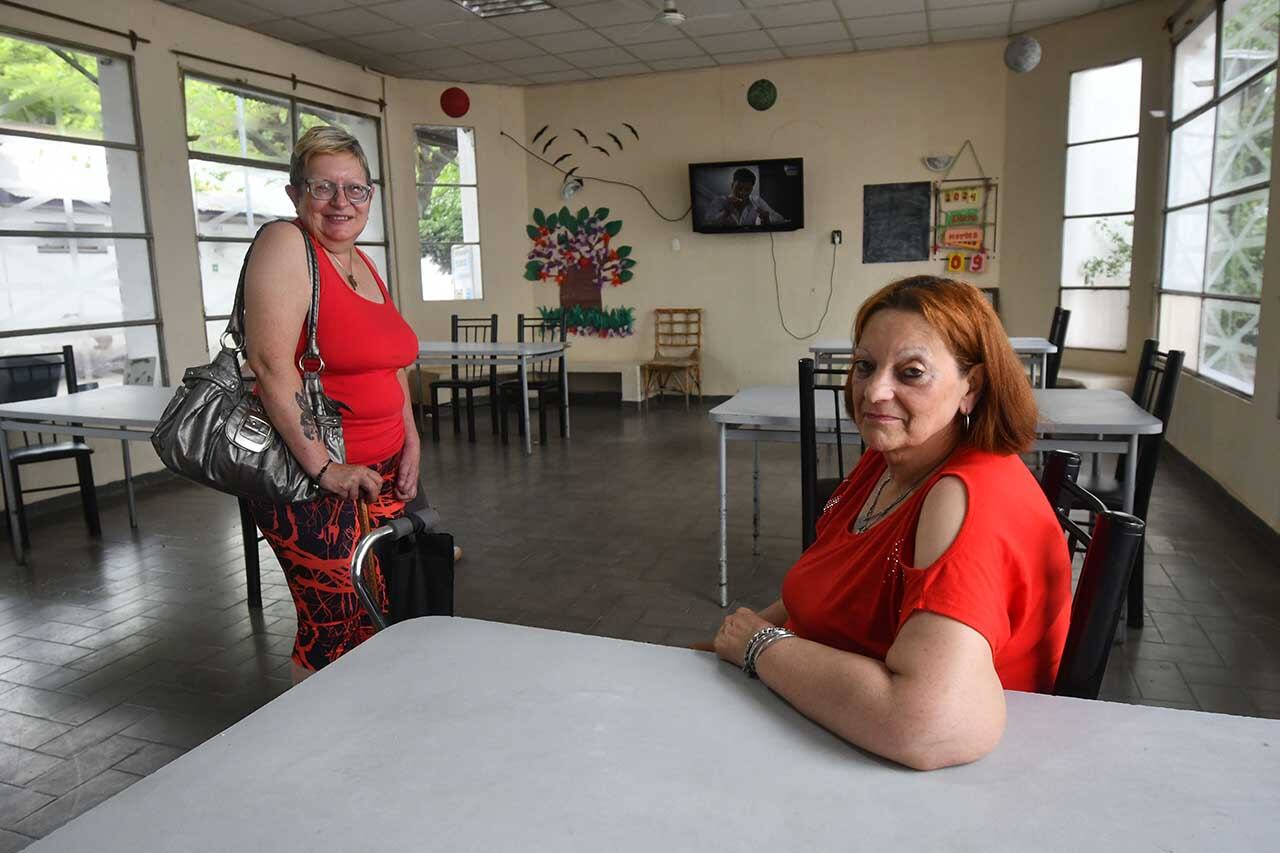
873,516
350,278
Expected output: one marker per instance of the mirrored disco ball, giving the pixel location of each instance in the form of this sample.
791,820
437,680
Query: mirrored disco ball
1022,54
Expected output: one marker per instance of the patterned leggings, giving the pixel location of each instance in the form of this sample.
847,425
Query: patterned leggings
314,542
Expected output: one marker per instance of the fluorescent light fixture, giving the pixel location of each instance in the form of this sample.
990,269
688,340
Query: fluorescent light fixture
497,8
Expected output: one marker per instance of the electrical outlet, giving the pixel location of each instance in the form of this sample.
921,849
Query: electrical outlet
837,237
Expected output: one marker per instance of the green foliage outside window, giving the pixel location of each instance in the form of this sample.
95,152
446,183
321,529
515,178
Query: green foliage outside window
37,92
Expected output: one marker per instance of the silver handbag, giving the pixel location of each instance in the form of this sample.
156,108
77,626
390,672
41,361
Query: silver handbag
216,432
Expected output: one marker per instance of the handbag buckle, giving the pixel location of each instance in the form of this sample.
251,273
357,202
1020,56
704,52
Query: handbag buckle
253,434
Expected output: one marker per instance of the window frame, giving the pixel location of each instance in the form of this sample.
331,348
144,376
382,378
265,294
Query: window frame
417,186
147,235
1137,137
294,101
1213,103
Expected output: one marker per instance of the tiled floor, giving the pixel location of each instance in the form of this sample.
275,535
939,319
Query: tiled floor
119,654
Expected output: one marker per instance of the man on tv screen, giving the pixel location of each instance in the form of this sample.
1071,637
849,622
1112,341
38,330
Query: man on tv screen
742,206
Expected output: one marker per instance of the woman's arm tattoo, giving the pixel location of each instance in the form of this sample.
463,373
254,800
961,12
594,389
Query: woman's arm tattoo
308,418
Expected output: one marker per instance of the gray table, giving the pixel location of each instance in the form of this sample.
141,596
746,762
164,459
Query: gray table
123,412
452,734
772,413
519,354
1031,349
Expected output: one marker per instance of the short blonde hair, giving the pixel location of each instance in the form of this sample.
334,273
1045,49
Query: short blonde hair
324,139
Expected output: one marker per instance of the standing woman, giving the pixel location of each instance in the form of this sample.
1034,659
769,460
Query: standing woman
366,346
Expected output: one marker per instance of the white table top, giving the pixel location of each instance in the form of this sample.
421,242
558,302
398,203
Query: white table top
131,406
1086,411
478,349
453,734
1021,345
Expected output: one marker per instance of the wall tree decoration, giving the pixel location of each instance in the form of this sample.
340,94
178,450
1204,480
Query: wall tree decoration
579,253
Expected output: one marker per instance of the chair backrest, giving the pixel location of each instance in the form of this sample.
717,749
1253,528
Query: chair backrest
1154,389
677,332
31,377
808,384
476,330
536,330
141,371
1057,337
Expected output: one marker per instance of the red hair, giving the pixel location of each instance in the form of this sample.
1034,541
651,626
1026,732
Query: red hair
1004,418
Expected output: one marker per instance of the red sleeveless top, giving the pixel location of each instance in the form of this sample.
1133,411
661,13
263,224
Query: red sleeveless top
1007,574
363,344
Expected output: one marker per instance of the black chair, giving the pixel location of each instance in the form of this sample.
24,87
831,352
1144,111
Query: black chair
544,377
1057,337
468,374
815,491
1154,389
1110,547
32,377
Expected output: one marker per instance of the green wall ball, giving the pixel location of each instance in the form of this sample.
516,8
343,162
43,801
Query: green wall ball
762,95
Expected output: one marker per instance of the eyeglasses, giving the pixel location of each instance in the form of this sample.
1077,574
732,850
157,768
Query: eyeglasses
326,190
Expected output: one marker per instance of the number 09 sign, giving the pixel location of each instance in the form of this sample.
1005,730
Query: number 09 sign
959,262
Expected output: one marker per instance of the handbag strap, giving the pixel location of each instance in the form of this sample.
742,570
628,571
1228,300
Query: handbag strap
235,324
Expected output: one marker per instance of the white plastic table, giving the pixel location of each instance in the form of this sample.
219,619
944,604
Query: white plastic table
123,412
453,734
520,354
772,413
1031,349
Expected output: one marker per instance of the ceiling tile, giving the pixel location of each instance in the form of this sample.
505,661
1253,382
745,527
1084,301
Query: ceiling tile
621,70
569,4
560,76
505,49
438,57
597,58
424,13
511,80
478,73
612,12
351,22
826,47
900,40
346,49
969,16
398,41
935,5
875,8
467,32
629,34
535,65
231,11
704,8
739,23
811,12
743,56
294,8
962,33
291,31
1030,10
667,50
809,33
1027,26
566,42
766,4
537,23
682,64
736,41
889,25
393,66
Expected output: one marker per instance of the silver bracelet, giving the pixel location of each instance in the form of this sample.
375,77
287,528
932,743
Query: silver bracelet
761,640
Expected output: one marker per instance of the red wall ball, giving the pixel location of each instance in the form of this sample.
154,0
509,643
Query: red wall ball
454,102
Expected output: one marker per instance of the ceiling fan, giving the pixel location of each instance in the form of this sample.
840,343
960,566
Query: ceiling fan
672,17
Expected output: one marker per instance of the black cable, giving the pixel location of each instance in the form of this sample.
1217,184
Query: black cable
777,290
660,214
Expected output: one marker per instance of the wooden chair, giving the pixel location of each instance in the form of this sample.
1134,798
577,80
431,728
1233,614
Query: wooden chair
1057,337
677,352
33,377
544,377
1110,547
468,374
815,491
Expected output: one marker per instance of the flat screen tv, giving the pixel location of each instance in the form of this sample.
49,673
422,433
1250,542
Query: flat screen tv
747,196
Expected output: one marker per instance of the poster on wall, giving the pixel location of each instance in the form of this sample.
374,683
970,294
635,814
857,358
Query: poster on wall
578,253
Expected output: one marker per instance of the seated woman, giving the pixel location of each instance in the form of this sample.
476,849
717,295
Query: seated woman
939,577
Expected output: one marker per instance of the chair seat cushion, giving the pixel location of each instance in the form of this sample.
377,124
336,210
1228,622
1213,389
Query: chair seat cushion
48,452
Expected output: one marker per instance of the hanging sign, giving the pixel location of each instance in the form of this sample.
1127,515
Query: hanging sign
967,237
978,262
955,262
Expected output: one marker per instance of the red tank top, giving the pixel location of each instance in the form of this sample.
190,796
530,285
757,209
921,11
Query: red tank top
363,344
1007,574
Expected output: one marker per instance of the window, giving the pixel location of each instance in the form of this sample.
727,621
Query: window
75,240
1224,80
238,145
448,212
1097,225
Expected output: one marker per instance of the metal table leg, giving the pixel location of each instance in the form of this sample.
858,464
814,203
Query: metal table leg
524,406
755,498
1135,601
252,574
564,391
128,483
724,522
15,538
1044,369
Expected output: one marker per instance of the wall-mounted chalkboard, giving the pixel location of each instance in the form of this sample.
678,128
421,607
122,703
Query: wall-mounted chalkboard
895,222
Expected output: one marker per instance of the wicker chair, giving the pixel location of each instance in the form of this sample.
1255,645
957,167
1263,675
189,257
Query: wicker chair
677,353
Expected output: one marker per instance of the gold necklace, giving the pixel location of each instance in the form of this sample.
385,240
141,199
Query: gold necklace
351,278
